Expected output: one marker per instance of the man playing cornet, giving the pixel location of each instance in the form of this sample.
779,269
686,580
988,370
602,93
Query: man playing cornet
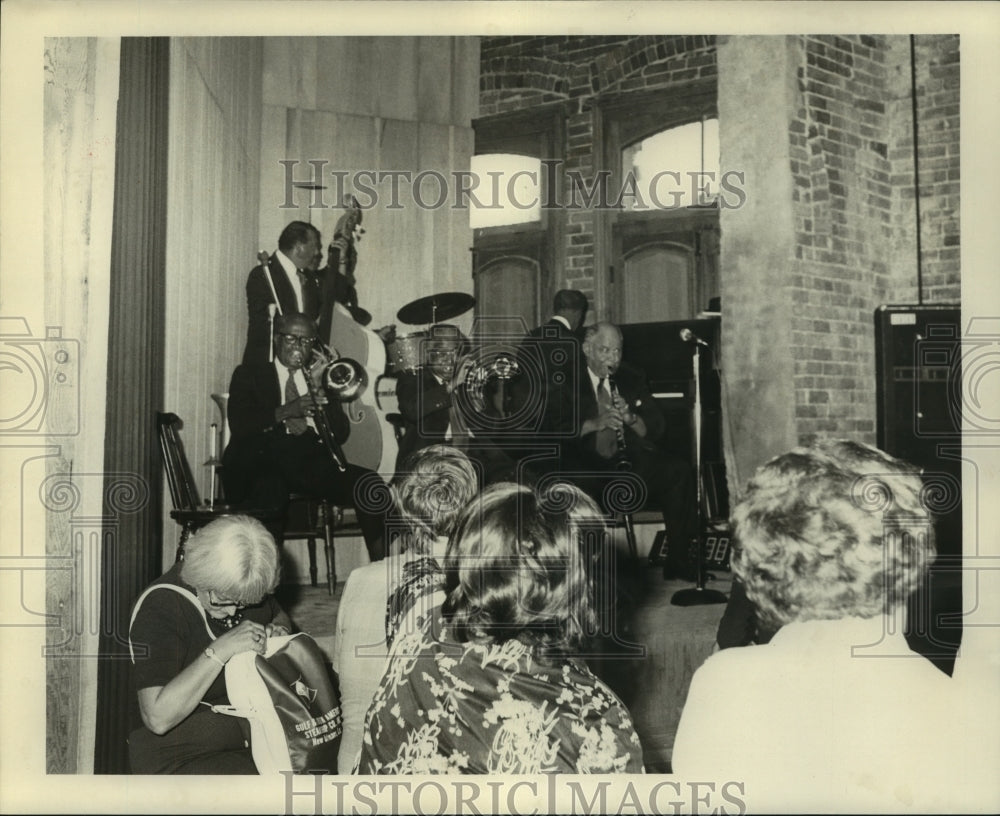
437,411
278,421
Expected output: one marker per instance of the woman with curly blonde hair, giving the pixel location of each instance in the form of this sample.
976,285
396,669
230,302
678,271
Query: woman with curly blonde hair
830,541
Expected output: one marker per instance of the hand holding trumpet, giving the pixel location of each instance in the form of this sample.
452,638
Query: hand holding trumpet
305,406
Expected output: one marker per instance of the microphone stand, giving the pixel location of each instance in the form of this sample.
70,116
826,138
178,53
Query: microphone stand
698,595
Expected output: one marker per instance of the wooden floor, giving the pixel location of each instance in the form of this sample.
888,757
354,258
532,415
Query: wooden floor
655,651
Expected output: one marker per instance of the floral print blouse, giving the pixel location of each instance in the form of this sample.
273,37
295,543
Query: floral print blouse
473,708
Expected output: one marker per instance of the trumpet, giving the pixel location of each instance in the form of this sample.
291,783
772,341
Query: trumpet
497,367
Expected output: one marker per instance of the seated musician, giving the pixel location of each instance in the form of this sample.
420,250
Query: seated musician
434,411
277,446
619,424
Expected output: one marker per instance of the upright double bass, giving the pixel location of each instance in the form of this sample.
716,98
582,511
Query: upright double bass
371,442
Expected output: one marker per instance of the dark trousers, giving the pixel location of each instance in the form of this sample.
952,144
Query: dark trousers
667,484
264,471
203,743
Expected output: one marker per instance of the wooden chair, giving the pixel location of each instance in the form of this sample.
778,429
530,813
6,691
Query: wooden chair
190,510
309,518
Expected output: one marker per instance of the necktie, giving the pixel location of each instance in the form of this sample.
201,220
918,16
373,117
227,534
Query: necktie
310,298
607,439
296,426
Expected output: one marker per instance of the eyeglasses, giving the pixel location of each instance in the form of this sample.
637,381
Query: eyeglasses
214,601
296,340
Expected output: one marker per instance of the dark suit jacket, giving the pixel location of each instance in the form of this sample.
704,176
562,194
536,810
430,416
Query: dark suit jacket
253,397
259,297
545,389
424,404
635,391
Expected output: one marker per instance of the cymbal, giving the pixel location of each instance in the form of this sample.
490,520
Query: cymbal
433,308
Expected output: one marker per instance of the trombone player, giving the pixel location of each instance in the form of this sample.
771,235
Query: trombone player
278,422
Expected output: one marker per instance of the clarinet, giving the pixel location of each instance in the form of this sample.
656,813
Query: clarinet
621,460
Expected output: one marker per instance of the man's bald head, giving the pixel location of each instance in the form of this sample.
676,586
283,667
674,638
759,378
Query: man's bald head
602,347
295,321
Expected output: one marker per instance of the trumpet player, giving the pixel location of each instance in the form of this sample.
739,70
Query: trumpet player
619,427
276,447
434,412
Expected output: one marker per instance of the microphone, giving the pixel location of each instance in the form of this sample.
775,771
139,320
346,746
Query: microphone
689,336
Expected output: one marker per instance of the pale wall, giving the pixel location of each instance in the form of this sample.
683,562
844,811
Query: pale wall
80,100
214,175
378,104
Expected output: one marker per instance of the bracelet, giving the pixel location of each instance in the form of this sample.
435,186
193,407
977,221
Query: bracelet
210,653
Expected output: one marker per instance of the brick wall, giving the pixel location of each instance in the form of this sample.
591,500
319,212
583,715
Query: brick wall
850,242
851,156
938,75
521,73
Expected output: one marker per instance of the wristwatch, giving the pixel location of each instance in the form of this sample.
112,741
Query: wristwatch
211,655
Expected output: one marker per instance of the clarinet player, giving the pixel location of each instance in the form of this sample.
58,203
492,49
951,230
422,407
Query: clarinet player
276,447
619,427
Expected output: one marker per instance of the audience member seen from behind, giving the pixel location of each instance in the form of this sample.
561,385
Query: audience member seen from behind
181,641
497,686
430,492
830,543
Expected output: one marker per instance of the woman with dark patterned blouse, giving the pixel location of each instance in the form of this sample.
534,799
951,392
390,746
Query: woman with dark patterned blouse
491,682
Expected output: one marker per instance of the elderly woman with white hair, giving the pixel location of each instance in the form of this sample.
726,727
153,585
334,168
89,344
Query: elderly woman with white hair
830,541
186,626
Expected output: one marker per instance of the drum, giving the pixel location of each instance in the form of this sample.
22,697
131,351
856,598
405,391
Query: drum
406,353
385,394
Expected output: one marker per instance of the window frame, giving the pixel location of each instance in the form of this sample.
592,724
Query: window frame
538,133
622,121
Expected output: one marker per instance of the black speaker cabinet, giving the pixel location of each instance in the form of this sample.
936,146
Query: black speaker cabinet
667,360
918,375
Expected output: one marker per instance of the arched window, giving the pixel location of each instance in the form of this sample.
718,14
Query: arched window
676,167
661,241
515,245
507,191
